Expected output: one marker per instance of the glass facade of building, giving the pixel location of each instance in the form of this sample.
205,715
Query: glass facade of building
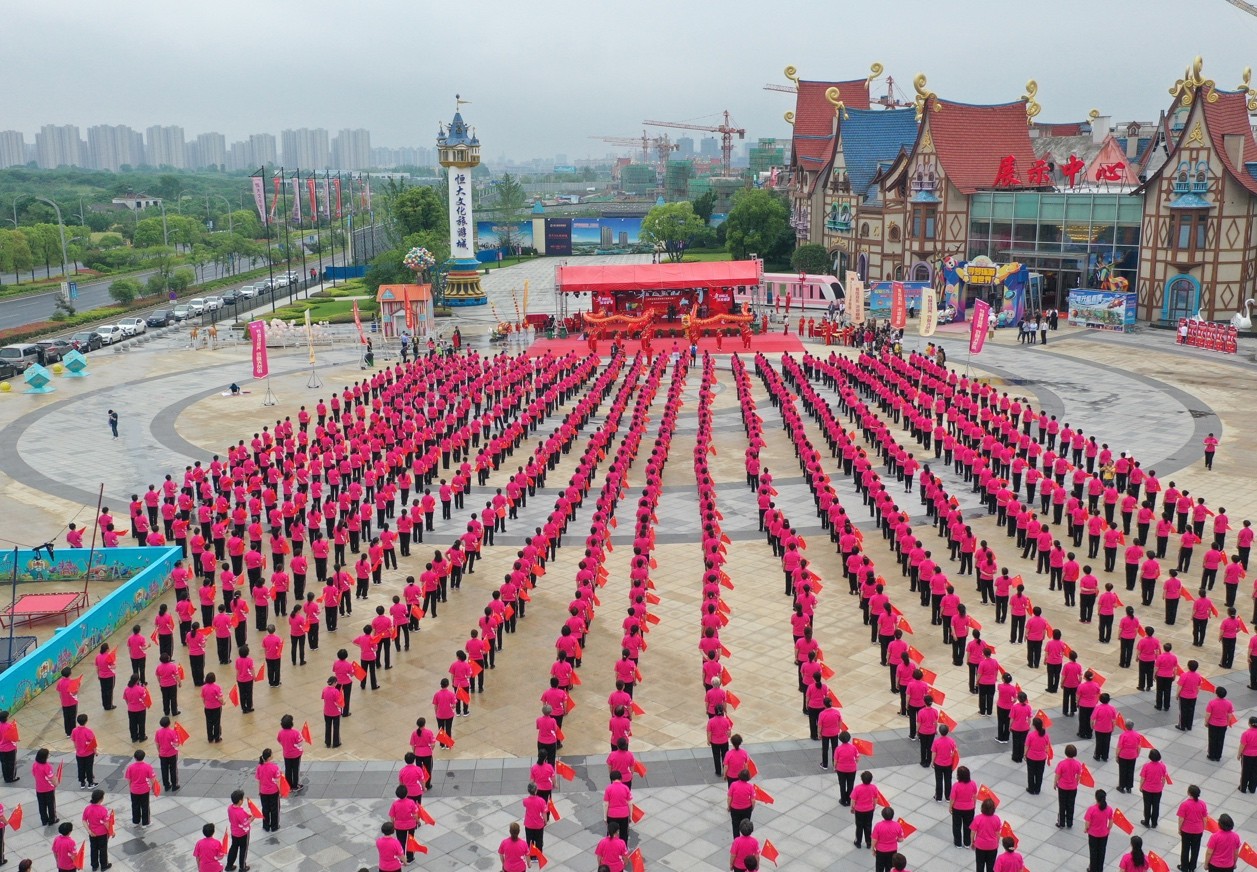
1071,239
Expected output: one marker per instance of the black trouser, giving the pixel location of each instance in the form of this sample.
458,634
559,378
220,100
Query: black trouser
1069,700
986,698
297,649
1189,853
1217,737
942,782
1165,687
99,850
196,664
245,689
718,751
1186,712
169,772
139,808
1097,847
828,744
86,769
961,835
864,828
1106,629
536,837
1152,807
345,689
369,667
1171,611
224,650
292,771
736,816
214,724
135,720
1053,677
1103,742
69,717
331,730
170,700
985,860
1084,722
106,692
239,850
1125,774
270,811
47,803
1034,775
272,671
1065,800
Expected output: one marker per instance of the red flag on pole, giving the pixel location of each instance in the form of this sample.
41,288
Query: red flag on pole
1156,862
769,852
985,792
536,854
156,785
254,810
443,738
908,829
882,800
81,857
636,862
463,696
945,718
762,795
305,733
1006,832
640,768
751,768
234,695
637,709
1042,715
864,746
426,816
914,655
636,814
1248,855
567,773
1085,778
553,809
734,701
725,678
284,787
1122,822
15,819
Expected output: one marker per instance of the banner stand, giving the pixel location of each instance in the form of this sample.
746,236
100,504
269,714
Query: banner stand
314,380
269,399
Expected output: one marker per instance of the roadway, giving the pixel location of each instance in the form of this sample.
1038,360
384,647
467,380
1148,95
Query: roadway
94,294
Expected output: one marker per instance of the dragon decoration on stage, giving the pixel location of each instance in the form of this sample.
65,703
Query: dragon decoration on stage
598,325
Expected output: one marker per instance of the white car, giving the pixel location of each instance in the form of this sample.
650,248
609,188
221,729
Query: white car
213,304
281,281
196,305
132,326
111,333
248,292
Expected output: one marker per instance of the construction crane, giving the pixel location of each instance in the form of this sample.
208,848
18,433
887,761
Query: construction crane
889,100
661,144
1247,7
785,89
726,131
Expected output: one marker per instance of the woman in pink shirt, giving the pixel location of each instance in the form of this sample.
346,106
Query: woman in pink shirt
1223,847
167,742
212,697
962,804
1099,822
239,823
513,851
106,674
612,851
986,835
290,740
139,775
1066,779
404,813
887,834
1038,751
45,787
1219,713
1011,860
1192,813
863,799
96,819
268,776
1152,780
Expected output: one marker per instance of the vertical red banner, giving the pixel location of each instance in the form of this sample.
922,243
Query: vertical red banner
257,339
979,326
259,197
898,306
358,323
311,186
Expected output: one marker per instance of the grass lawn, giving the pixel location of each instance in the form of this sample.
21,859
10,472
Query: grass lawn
706,256
333,311
351,288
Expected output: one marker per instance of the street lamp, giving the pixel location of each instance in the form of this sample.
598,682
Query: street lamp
231,228
165,235
65,260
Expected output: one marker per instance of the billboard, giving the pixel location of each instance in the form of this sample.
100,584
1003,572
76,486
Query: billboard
1103,310
559,236
604,235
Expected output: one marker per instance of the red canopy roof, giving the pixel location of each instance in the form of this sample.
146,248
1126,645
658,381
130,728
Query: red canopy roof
656,276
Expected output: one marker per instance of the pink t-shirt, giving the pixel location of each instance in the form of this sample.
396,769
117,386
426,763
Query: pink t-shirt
514,853
887,835
986,829
1224,844
1099,821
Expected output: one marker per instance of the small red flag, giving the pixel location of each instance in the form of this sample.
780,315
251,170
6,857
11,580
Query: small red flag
929,675
443,738
225,843
751,768
1122,822
559,733
903,624
567,773
1085,778
426,816
576,682
156,787
948,720
112,823
1120,721
463,696
254,810
653,599
640,768
553,809
415,847
148,699
637,710
234,695
1145,744
15,819
769,852
1042,715
725,678
939,696
826,672
637,675
536,854
77,682
833,698
908,829
60,771
636,813
359,672
1248,855
1207,685
864,746
762,795
180,733
985,793
1232,720
261,673
636,863
652,619
416,612
81,856
1098,678
284,787
882,800
305,733
914,655
1157,863
733,699
1006,832
1211,824
476,669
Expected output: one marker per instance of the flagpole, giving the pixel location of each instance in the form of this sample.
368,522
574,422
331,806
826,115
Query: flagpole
331,226
305,274
288,245
283,187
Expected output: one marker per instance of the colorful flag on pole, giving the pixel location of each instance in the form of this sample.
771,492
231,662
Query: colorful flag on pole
257,340
898,306
296,197
979,326
928,322
259,196
358,323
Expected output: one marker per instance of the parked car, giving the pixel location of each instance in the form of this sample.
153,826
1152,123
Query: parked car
8,371
196,305
281,281
86,341
55,349
133,326
21,355
264,285
213,304
293,277
230,297
181,313
248,292
111,333
160,318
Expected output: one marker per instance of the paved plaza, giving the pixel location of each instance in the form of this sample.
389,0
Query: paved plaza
1139,394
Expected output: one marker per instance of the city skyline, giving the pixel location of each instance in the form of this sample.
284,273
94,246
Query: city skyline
542,81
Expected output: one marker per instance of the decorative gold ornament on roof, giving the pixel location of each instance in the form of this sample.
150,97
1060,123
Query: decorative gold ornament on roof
834,96
1247,88
789,116
1193,81
924,95
792,73
1032,108
875,71
1094,115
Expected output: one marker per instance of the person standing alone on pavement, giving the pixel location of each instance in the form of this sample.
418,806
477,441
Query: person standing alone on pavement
113,423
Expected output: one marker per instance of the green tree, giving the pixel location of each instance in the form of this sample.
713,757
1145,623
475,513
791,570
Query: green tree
511,197
181,280
759,223
387,269
45,242
417,209
674,226
704,204
15,252
811,258
124,291
148,232
435,241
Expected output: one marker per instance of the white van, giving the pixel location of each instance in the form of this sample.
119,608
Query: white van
196,305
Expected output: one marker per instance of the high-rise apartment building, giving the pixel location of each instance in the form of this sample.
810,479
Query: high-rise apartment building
258,150
306,148
12,148
351,150
111,146
207,151
58,145
685,147
165,147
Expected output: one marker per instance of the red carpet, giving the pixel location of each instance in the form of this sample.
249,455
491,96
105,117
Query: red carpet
770,343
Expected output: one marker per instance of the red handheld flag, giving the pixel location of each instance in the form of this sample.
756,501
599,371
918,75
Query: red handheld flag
1085,778
60,771
576,682
463,696
254,810
284,787
652,619
751,768
567,773
1207,685
637,709
77,681
939,696
234,695
1098,678
1120,721
1006,832
985,793
15,819
636,813
180,733
733,699
945,718
156,787
426,816
359,672
1211,824
476,669
725,678
908,829
81,856
1122,822
903,624
411,845
833,698
1145,744
640,768
636,863
112,824
1157,863
537,855
261,673
864,746
929,675
769,852
826,672
1248,855
305,733
443,738
225,843
762,795
553,809
148,699
1042,715
914,655
882,800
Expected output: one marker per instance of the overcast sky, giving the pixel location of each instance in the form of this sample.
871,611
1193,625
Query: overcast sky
545,75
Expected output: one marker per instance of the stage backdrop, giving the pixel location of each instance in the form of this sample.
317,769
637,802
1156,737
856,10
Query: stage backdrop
150,568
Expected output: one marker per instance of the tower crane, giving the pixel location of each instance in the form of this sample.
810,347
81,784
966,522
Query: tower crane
725,129
1241,4
661,144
